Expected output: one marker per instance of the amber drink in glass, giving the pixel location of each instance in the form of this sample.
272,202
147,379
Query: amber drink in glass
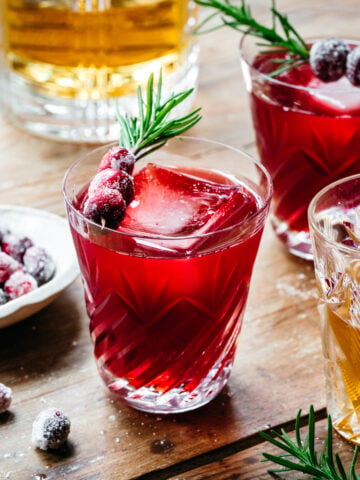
70,64
334,219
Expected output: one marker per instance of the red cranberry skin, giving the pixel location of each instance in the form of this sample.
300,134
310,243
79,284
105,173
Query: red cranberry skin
38,263
105,207
118,158
113,179
18,284
15,245
8,266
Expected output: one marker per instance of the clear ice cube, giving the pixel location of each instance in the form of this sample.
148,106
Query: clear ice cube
175,203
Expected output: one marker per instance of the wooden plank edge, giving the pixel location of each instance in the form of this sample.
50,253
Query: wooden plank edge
228,450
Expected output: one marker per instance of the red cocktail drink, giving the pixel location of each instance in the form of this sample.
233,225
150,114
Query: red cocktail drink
166,291
307,134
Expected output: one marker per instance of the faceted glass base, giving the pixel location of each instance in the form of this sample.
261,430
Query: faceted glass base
176,400
349,428
297,243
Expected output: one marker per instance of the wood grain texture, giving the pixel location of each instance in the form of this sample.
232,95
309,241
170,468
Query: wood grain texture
47,359
249,465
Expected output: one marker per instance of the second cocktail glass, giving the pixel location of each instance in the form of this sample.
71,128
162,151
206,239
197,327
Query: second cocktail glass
166,291
307,131
334,218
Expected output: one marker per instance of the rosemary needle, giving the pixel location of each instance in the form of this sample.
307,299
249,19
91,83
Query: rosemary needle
301,456
281,37
154,125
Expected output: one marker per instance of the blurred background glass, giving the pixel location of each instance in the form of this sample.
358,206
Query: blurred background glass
69,64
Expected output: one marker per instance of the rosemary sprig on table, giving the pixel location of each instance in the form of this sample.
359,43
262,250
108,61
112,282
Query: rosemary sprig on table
324,466
152,128
281,37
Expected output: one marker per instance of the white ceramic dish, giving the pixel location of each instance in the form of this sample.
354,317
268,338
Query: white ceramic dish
52,233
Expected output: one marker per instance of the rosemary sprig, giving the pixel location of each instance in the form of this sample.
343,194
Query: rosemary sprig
152,128
324,466
281,37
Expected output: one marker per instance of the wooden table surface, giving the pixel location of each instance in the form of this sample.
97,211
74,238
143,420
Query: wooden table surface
47,359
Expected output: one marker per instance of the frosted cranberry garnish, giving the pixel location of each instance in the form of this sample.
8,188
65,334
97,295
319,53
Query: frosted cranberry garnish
113,179
118,158
328,58
111,189
106,207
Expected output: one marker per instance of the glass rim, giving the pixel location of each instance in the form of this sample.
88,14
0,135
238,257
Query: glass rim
269,78
313,224
147,236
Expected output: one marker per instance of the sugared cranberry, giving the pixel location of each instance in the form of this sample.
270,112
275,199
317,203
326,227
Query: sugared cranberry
119,158
106,207
15,245
113,179
51,429
18,284
39,264
8,266
5,397
328,59
353,67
